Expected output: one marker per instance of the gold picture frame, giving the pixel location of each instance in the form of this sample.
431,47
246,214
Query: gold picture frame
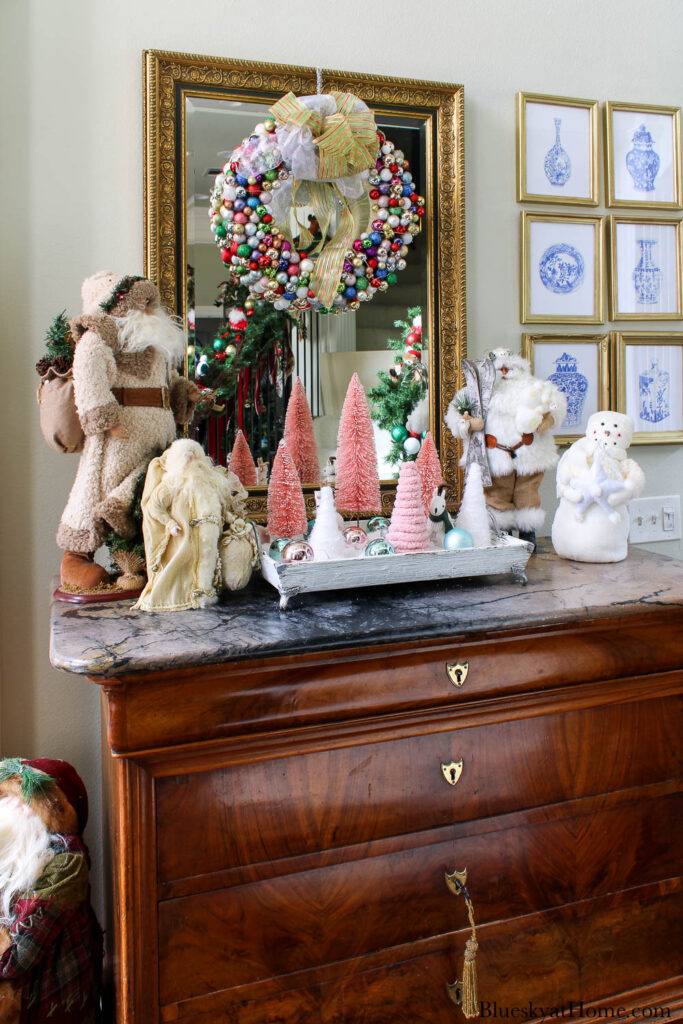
169,77
621,193
530,310
628,372
531,343
614,221
525,194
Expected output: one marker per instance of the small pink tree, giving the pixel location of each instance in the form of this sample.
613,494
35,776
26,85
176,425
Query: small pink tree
241,461
429,468
300,437
408,529
286,506
357,485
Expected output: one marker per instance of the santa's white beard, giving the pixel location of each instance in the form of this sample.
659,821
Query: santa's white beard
24,850
139,330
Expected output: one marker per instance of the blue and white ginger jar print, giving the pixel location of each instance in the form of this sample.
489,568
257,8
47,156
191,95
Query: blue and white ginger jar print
561,268
574,384
654,387
642,162
557,165
647,277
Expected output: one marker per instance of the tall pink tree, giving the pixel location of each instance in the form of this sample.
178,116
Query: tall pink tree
241,461
408,530
429,468
357,485
300,436
286,505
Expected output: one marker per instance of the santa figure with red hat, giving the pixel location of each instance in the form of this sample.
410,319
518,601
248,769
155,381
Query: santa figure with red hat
50,941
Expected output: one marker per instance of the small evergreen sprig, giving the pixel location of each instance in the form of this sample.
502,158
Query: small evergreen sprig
33,782
60,346
120,291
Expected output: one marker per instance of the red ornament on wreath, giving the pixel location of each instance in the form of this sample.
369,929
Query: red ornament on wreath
323,152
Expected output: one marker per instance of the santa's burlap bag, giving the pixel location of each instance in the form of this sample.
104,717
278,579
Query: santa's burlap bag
59,420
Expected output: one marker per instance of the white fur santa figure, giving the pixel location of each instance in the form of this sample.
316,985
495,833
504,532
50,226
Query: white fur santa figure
129,397
518,423
595,482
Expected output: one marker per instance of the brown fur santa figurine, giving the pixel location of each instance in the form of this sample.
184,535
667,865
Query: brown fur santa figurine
50,941
129,398
517,424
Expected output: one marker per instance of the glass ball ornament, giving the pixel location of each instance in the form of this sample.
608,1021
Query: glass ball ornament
458,538
399,432
378,547
378,524
276,548
219,345
411,445
355,537
297,551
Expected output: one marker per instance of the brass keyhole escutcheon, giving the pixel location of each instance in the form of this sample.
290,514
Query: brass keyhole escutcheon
451,771
457,673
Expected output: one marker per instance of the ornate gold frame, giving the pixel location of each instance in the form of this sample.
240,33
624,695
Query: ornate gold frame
526,316
529,341
168,77
620,339
614,220
675,113
560,101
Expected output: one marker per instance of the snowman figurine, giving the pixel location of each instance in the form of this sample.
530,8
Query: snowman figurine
595,482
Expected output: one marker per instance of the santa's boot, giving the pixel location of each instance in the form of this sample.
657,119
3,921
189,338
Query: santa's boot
80,571
529,536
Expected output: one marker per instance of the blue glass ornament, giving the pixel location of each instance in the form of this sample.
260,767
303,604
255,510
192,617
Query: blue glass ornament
378,547
378,524
457,538
276,548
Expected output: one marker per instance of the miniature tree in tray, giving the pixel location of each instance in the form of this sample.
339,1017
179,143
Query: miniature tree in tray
408,530
300,437
286,505
241,461
429,468
357,489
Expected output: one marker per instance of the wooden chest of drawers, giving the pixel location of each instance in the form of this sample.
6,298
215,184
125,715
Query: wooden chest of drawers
281,825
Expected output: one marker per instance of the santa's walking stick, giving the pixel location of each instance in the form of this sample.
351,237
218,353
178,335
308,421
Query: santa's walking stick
479,384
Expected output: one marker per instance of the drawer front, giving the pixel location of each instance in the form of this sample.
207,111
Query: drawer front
249,813
579,952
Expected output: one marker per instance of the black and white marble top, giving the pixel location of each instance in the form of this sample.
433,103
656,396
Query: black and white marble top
111,639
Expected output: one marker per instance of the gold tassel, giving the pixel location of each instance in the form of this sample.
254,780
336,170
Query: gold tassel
470,1004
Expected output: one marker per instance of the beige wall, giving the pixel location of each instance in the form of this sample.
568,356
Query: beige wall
72,197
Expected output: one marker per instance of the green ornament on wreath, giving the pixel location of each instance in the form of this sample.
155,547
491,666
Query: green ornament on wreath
322,153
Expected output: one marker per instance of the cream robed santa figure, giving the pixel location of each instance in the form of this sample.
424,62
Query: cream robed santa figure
50,941
595,482
519,418
129,398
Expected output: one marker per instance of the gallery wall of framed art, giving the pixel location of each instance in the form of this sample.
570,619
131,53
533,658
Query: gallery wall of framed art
605,268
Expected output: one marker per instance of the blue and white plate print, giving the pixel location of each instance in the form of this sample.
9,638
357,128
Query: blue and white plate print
561,268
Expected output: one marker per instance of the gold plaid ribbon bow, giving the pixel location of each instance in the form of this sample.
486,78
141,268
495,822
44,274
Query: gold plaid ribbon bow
347,144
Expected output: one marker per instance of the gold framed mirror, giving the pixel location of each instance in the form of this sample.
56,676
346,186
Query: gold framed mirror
196,109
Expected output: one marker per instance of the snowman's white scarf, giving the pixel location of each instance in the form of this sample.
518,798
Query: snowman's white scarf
24,851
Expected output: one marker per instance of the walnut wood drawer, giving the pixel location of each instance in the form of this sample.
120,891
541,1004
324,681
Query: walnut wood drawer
247,813
345,912
172,708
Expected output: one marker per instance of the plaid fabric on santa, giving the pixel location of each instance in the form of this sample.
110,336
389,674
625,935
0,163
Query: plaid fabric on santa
56,952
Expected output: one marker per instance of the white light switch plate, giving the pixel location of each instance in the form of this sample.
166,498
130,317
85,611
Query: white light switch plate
654,519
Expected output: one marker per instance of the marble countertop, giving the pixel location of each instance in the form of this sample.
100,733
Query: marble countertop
112,639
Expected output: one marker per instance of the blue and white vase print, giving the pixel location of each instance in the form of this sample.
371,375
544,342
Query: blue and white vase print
647,277
561,268
557,165
642,161
574,384
654,388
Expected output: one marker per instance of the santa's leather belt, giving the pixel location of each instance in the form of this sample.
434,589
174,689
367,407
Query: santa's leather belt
492,442
155,398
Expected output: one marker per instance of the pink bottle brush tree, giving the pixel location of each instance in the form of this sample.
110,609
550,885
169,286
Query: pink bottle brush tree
300,436
429,468
408,530
286,505
241,461
357,487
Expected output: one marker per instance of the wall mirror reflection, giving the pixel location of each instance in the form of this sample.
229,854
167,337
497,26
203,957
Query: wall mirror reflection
198,110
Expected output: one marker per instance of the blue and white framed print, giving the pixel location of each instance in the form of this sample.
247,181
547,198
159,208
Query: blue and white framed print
561,268
557,149
649,370
579,365
643,156
645,279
